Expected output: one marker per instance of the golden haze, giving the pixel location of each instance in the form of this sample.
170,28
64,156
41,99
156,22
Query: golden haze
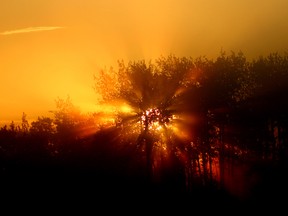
54,47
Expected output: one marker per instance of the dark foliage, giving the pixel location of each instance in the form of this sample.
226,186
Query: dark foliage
240,127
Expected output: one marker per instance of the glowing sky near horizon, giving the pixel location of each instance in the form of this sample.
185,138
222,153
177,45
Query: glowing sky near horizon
51,49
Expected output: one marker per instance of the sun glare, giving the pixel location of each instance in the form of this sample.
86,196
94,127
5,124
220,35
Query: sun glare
155,119
126,109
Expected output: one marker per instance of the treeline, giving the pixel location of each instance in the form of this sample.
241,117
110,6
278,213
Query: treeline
46,135
229,109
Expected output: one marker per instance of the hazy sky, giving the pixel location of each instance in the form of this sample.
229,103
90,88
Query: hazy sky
51,49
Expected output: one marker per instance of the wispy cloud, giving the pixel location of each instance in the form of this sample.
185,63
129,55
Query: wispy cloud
31,29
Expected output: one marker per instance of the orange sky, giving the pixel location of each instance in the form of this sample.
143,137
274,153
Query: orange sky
51,49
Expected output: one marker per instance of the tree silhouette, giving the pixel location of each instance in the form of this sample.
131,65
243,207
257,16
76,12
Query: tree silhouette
43,134
180,123
198,111
25,123
156,93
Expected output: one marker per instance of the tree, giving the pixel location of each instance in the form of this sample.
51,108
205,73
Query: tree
156,92
25,123
268,105
71,126
199,111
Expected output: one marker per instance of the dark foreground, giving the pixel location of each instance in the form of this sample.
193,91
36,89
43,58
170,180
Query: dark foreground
104,187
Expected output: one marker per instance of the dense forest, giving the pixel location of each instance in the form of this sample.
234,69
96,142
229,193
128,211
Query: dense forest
179,125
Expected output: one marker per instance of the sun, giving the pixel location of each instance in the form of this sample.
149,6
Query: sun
155,119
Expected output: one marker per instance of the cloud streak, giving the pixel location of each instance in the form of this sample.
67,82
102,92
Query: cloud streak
31,29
